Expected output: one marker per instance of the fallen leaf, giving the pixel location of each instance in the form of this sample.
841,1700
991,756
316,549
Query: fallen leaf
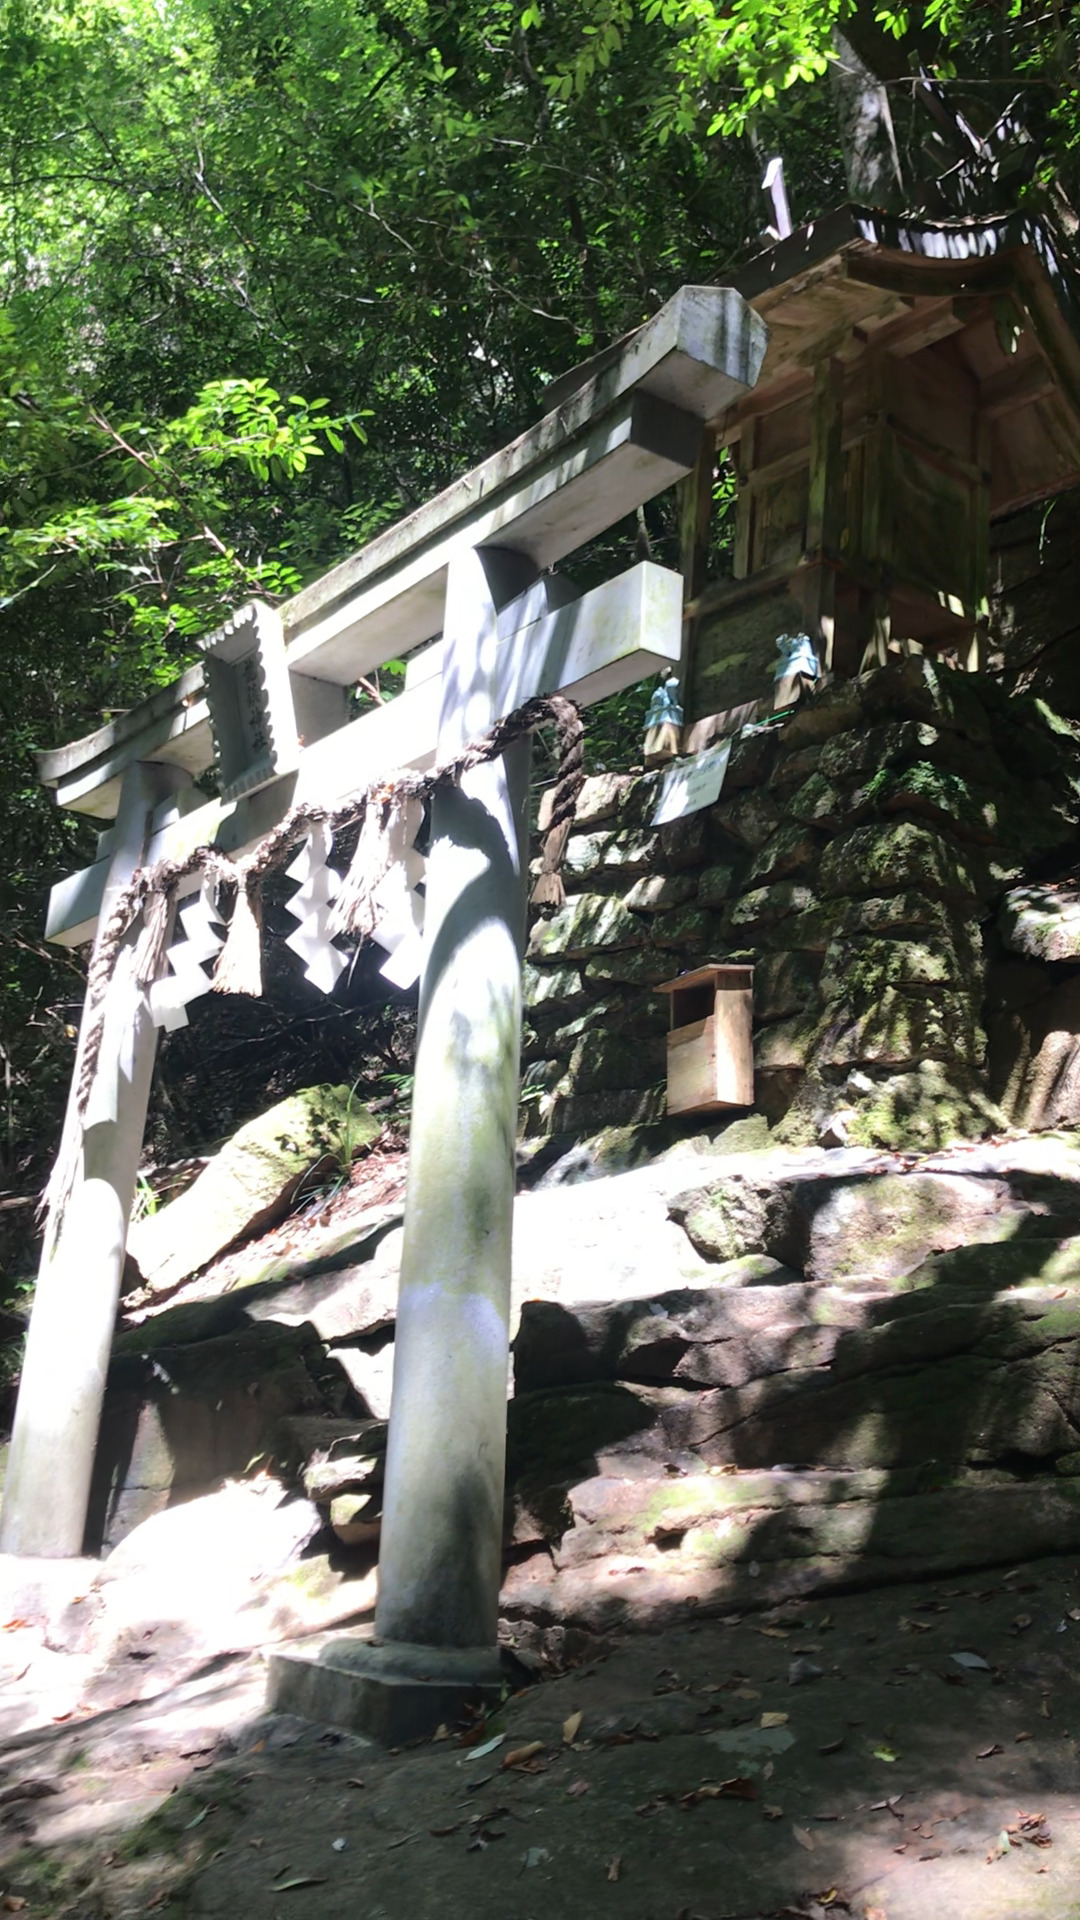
1031,1827
773,1813
737,1788
442,1731
404,1840
804,1838
1044,1708
774,1633
774,1720
535,1856
1021,1623
1017,1737
198,1818
13,1903
489,1746
932,1853
570,1728
354,1783
746,1693
888,1754
518,1755
987,1753
973,1661
615,1867
999,1849
832,1746
441,1832
299,1880
577,1788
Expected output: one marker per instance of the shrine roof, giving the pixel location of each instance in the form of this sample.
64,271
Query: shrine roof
857,269
995,297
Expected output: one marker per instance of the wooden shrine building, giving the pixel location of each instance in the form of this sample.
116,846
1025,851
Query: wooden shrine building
919,382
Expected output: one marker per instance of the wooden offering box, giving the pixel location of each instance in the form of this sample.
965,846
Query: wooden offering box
710,1058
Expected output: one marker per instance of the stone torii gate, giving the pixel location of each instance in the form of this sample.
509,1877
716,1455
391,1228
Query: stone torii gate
271,702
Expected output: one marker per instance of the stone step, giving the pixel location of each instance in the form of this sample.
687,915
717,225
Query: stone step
644,1552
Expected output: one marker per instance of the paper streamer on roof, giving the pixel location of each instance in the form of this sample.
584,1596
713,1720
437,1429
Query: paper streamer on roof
187,980
310,904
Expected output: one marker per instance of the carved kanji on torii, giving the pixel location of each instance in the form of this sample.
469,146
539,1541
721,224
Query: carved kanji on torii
464,588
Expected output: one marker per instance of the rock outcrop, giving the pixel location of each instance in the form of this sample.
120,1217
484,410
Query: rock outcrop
250,1183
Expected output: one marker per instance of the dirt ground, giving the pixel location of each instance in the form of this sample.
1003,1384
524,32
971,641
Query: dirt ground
836,1758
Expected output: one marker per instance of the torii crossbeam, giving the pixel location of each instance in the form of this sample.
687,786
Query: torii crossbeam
271,699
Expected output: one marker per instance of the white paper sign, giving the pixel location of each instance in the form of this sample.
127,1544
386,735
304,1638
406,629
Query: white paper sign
692,784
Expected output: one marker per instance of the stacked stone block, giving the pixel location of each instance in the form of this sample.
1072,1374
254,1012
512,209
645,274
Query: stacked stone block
855,856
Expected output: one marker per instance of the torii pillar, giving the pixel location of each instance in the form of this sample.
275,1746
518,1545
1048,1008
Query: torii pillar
58,1411
441,1547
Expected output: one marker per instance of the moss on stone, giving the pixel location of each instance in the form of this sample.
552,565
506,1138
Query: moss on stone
861,970
634,967
784,983
587,924
817,803
904,1030
907,910
715,885
686,928
553,1431
659,892
603,1061
793,849
926,1109
764,906
890,859
788,1043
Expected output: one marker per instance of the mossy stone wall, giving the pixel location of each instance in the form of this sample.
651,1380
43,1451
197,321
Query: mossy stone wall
857,856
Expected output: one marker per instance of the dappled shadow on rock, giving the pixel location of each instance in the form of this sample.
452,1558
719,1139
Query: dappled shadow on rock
907,1412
